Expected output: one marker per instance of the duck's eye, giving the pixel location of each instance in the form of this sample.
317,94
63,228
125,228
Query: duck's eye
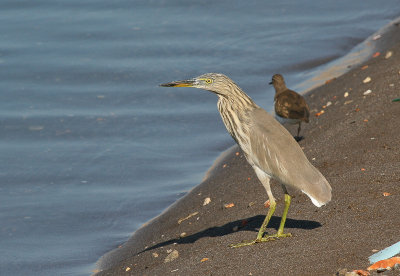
208,81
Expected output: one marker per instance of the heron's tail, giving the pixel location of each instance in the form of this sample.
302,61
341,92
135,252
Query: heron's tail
320,192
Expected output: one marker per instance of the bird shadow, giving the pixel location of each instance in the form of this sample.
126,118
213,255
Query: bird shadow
249,224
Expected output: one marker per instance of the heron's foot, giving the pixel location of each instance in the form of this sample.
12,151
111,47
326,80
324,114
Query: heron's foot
263,239
245,243
298,138
278,236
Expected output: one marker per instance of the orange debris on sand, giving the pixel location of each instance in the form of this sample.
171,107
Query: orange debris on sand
362,272
267,204
384,264
229,205
204,259
363,169
364,67
386,194
377,54
328,81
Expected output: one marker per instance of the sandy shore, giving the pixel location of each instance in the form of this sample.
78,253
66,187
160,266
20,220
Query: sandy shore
355,143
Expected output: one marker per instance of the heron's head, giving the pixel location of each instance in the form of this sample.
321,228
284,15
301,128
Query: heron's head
214,82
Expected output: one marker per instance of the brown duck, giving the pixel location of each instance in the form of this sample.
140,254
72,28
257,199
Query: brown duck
290,107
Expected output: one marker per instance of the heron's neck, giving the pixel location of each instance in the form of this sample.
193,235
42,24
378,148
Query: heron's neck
235,100
235,112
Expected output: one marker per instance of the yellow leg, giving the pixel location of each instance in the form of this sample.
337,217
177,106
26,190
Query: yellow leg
263,227
279,234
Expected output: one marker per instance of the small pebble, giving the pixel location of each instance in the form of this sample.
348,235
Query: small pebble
207,200
346,94
388,54
183,234
391,85
169,251
235,228
328,103
171,256
367,92
347,102
377,37
367,80
127,269
155,255
341,272
229,205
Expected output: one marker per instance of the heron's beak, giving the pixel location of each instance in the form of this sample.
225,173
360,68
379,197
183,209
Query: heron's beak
271,82
182,83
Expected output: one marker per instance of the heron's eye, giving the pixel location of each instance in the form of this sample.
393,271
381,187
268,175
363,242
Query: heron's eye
208,81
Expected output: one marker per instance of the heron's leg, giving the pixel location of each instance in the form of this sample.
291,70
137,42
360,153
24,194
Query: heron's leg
280,233
264,178
271,211
283,220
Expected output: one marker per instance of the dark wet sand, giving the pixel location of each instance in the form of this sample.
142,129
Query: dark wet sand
355,144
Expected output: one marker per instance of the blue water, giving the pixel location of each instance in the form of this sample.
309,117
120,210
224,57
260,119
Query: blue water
92,148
